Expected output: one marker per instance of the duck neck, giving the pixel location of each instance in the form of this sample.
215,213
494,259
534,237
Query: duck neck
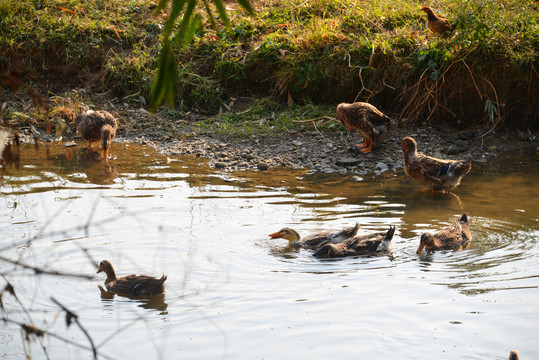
106,136
295,237
111,275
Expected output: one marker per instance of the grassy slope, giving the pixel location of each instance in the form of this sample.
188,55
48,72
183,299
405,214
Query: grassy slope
297,52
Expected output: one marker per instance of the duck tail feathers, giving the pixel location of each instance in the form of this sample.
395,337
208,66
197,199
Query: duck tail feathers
390,233
351,232
460,168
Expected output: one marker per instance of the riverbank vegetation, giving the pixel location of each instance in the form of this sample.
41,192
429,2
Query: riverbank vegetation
289,56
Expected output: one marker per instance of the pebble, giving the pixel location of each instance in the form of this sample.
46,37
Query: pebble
262,166
381,166
347,161
220,165
453,150
356,178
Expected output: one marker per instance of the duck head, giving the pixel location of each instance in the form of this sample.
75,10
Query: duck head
427,241
408,144
285,233
106,267
106,139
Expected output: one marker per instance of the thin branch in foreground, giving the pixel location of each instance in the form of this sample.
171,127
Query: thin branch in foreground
40,271
34,330
72,316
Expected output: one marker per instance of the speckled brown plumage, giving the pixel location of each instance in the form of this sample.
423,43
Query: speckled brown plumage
97,125
316,240
131,285
456,236
358,245
437,24
370,122
436,174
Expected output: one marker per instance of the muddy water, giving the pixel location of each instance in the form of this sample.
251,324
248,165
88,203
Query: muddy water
232,293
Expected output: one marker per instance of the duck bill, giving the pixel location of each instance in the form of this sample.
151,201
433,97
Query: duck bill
275,235
99,270
420,249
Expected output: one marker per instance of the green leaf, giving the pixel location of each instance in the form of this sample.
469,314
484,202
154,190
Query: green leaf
162,4
164,84
196,24
222,11
210,15
177,7
245,4
185,23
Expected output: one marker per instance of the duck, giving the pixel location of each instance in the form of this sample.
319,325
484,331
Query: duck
97,126
370,122
456,236
377,242
437,24
513,355
131,285
435,174
316,240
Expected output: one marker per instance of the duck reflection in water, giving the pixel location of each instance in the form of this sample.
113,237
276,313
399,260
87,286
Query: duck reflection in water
97,170
156,302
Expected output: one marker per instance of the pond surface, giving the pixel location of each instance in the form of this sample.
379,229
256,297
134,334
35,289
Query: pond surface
232,293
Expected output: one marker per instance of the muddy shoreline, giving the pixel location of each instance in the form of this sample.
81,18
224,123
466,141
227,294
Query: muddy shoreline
336,152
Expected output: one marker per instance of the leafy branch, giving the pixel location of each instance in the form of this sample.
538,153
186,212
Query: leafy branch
190,22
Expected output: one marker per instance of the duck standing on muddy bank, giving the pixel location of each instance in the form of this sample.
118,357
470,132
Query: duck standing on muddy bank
370,122
97,126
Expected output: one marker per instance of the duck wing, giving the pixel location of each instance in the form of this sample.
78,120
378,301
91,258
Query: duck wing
335,237
440,173
379,241
138,285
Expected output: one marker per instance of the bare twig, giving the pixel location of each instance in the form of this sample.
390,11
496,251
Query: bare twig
41,332
498,109
72,316
39,270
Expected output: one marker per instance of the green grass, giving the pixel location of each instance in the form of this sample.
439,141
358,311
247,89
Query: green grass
293,52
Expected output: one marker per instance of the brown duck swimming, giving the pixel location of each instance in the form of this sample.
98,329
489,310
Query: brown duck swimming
97,126
316,240
131,285
371,123
359,245
456,236
436,174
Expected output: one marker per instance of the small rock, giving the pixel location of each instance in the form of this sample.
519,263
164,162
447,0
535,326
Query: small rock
347,161
453,150
437,154
297,143
356,178
262,166
492,148
381,166
220,165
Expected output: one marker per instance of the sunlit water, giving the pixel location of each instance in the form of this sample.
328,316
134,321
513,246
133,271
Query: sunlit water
232,293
